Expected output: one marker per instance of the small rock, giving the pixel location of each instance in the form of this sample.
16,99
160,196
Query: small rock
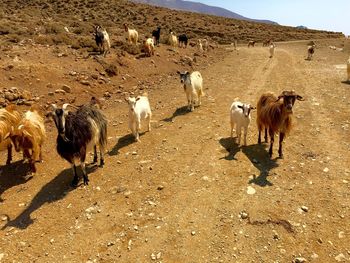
153,256
341,234
66,88
61,91
250,190
193,233
326,170
85,82
304,208
300,260
243,215
50,93
159,255
160,187
2,255
340,258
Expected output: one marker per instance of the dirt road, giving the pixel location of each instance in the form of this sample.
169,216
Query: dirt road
184,194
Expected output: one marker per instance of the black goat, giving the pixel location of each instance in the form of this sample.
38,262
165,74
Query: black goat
183,40
77,132
156,35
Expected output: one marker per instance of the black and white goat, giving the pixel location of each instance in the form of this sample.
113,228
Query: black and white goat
79,132
102,40
156,35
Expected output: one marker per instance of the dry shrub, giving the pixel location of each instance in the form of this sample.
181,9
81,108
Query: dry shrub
53,28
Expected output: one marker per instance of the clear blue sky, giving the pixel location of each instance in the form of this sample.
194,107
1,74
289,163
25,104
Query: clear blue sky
333,15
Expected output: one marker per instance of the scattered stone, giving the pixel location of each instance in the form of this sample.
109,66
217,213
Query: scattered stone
326,170
340,258
305,208
153,256
193,233
50,93
300,260
2,255
85,82
243,215
250,190
129,244
159,255
66,88
60,91
160,187
341,234
314,256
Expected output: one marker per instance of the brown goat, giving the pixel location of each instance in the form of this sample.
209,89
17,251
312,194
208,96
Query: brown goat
276,116
29,136
9,118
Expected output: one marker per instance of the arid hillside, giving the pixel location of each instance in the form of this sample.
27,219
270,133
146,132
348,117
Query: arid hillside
47,22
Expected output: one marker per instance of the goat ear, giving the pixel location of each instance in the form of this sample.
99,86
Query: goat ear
300,98
7,135
178,72
240,106
252,108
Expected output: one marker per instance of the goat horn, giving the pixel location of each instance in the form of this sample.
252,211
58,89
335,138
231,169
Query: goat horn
64,107
300,98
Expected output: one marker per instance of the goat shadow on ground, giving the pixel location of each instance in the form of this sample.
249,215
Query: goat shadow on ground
53,191
123,142
13,174
346,82
178,112
260,158
231,147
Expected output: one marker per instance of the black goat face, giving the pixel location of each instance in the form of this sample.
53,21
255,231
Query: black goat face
288,102
289,98
184,77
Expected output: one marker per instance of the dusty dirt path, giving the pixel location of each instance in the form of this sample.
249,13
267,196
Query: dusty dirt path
179,193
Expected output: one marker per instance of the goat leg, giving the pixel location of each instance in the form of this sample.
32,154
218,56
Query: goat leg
95,155
280,145
102,159
259,137
85,176
266,139
75,179
9,154
272,139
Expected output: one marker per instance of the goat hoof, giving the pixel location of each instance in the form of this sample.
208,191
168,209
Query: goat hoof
8,162
74,183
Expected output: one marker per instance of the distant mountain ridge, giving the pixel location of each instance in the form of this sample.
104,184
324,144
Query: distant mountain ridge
200,8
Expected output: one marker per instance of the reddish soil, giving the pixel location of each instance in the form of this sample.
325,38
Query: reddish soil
181,192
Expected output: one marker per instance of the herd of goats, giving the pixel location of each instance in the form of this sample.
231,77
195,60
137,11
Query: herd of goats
83,129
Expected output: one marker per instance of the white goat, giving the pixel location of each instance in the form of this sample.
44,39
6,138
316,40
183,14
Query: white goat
272,49
193,86
205,44
348,68
139,109
149,47
133,35
173,40
199,45
240,117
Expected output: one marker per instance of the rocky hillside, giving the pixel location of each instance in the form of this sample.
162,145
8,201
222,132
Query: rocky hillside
70,22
